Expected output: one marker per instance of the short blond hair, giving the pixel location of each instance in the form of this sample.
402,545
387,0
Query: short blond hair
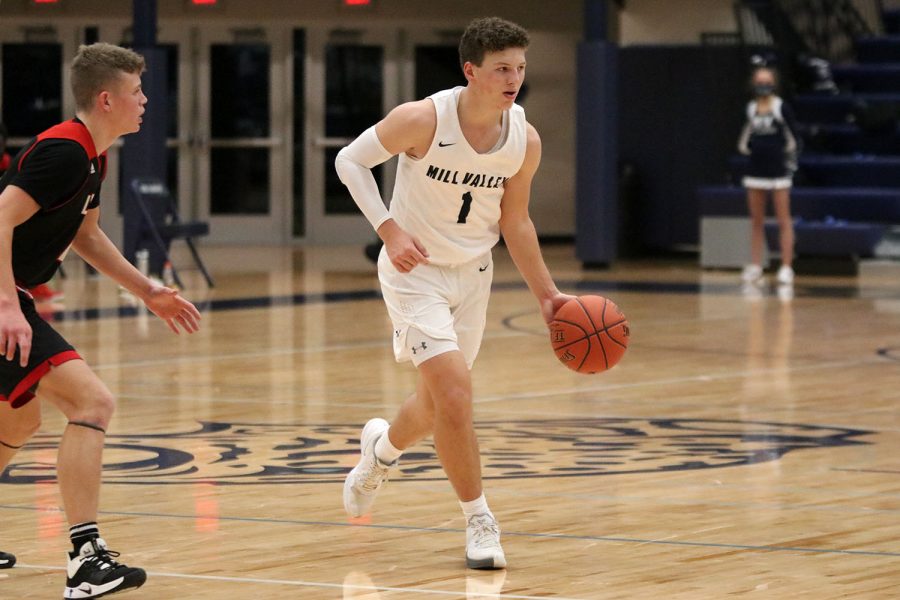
98,65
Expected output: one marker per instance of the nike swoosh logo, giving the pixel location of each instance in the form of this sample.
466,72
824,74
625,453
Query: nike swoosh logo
484,268
443,145
94,590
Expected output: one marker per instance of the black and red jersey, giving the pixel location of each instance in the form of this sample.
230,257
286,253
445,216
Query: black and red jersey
62,171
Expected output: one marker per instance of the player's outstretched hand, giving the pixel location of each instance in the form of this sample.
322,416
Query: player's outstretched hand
169,306
15,332
550,305
404,251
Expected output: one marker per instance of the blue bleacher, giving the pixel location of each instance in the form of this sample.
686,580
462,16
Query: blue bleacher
881,49
824,108
891,20
831,237
849,138
864,215
831,170
875,77
868,204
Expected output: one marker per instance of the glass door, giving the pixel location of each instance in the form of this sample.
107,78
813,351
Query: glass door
225,128
352,81
238,173
34,75
432,64
31,82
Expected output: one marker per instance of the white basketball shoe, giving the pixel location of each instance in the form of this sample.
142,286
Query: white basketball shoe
366,478
483,549
785,275
752,273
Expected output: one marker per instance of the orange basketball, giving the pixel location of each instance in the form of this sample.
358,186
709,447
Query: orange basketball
589,334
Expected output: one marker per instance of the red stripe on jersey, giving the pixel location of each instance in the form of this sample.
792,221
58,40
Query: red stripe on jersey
70,130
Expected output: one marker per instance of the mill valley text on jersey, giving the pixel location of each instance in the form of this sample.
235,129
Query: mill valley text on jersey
472,180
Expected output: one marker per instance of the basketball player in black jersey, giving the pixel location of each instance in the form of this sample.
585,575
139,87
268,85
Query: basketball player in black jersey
49,203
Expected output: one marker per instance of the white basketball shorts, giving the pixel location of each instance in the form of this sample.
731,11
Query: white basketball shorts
437,309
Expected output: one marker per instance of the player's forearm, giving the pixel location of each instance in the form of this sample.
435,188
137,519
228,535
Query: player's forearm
16,207
99,251
8,294
354,165
522,243
389,230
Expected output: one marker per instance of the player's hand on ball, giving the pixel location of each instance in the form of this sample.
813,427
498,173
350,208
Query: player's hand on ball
169,306
404,251
550,305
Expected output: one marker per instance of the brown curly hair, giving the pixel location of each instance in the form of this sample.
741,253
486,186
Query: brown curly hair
489,34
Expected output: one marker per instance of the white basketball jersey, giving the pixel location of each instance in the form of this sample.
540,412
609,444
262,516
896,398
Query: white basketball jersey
450,198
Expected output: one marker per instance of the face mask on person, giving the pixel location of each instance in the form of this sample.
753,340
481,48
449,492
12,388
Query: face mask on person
763,89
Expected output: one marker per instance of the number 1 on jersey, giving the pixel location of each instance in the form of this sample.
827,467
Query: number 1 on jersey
464,209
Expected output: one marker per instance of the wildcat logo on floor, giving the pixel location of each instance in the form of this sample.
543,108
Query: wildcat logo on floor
261,453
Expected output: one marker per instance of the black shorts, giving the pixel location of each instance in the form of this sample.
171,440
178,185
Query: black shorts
48,349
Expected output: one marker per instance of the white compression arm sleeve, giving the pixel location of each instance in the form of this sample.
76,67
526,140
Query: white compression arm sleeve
354,166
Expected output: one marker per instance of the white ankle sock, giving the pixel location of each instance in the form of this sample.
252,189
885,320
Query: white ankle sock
478,506
385,451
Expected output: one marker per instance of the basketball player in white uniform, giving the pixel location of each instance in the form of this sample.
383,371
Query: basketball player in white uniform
467,157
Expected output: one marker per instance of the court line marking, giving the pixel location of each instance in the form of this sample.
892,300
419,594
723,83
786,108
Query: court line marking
601,388
526,395
679,380
372,403
175,360
668,501
852,470
319,584
560,536
370,294
287,351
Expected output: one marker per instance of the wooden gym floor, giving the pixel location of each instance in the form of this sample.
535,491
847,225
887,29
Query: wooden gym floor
747,445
